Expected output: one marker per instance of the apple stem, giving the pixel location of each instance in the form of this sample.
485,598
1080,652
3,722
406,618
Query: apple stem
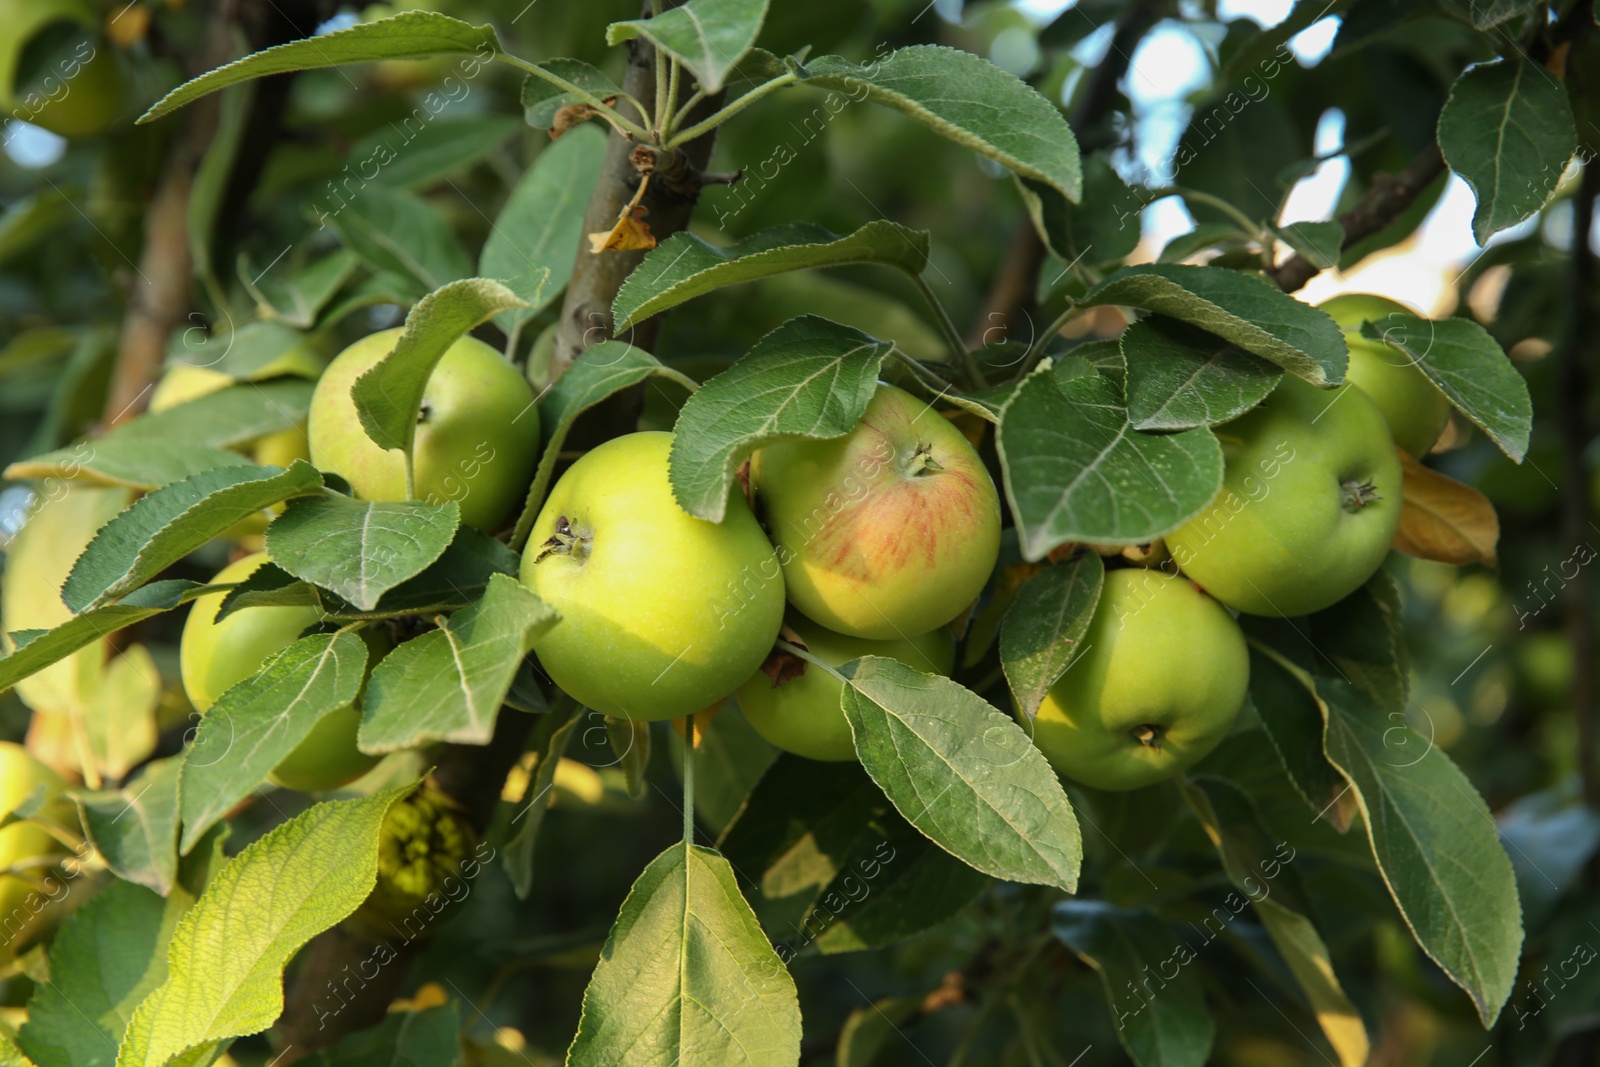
1148,735
1358,495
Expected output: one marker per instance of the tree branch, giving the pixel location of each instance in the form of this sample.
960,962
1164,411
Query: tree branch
1012,294
669,202
1384,201
159,296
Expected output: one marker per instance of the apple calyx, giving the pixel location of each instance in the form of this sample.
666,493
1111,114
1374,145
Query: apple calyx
922,461
424,409
566,541
1148,734
1357,495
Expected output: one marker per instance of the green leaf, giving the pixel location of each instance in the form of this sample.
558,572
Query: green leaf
36,650
388,396
359,549
259,721
1318,242
1488,14
630,741
457,578
135,829
969,100
1042,633
707,36
109,955
158,530
296,297
227,955
168,446
1076,469
1435,842
601,371
550,739
1471,369
408,158
1258,868
1238,307
686,976
683,266
1168,1025
211,177
1292,721
1180,377
807,378
535,240
1104,230
542,99
398,233
835,865
869,1030
408,35
29,219
962,772
427,1038
448,684
119,713
1507,130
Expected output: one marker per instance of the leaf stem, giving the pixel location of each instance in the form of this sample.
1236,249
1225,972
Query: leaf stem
952,336
711,122
670,111
1252,229
796,650
688,780
618,121
1035,351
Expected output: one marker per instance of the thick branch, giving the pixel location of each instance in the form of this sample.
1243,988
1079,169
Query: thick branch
1384,202
669,202
159,296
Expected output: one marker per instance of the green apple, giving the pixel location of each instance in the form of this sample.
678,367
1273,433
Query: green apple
662,613
1416,409
184,382
801,713
20,775
888,531
214,656
1310,501
1161,677
56,70
477,437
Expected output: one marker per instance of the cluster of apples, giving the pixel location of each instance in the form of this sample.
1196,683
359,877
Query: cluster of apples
876,540
866,544
1310,502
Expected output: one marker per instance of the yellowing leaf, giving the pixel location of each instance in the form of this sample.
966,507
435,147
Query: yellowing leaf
630,234
1444,520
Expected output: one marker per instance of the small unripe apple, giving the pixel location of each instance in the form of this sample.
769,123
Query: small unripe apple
1311,498
1415,408
889,531
184,382
1162,675
20,775
662,613
477,439
800,713
214,656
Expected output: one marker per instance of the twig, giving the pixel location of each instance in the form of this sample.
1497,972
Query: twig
1577,350
1384,201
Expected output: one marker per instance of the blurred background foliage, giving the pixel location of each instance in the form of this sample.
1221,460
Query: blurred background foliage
1354,91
